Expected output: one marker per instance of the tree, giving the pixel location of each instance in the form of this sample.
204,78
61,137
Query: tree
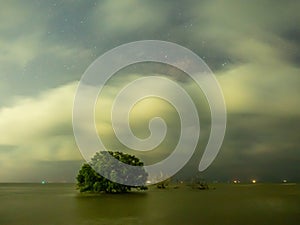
88,180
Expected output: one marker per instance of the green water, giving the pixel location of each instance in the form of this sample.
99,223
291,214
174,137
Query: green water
37,204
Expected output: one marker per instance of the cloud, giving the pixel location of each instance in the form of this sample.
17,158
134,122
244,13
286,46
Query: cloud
40,128
252,47
257,88
26,125
32,58
128,16
258,72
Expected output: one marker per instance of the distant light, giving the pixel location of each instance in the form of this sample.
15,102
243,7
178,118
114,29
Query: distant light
284,181
253,181
236,181
44,182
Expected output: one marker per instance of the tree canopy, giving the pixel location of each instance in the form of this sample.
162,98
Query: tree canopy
88,180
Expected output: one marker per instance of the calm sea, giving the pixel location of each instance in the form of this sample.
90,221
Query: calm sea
61,204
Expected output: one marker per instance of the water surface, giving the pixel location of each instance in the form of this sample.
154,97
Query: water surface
37,204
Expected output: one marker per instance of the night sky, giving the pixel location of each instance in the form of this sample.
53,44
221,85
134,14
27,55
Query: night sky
253,48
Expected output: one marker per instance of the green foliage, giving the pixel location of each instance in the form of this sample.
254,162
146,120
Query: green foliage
88,180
